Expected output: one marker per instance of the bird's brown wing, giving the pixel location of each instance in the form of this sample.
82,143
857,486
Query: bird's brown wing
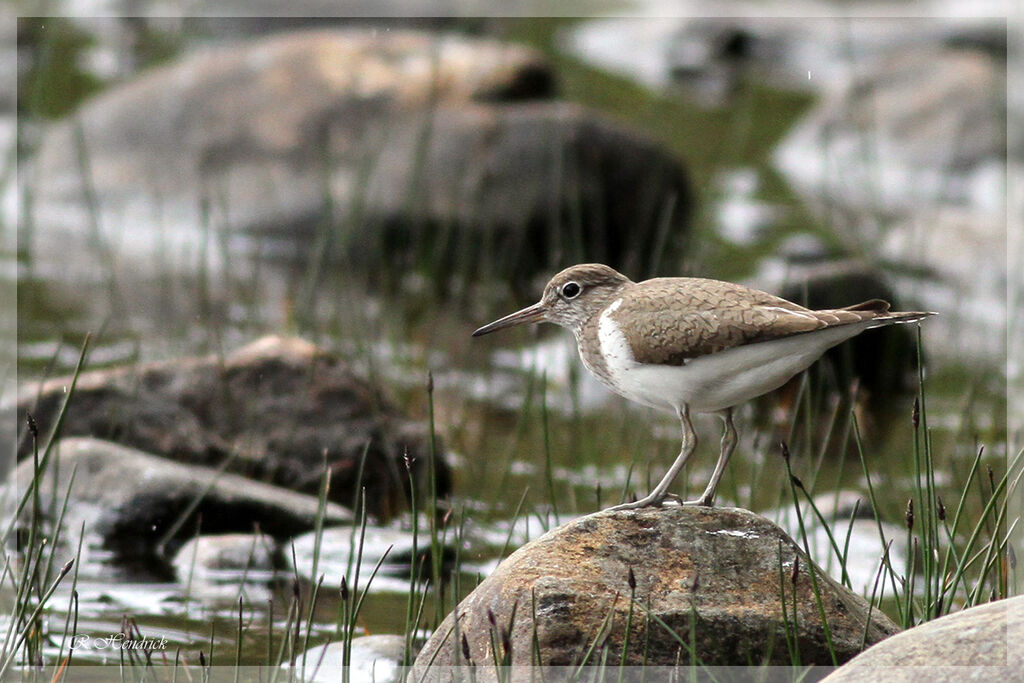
710,316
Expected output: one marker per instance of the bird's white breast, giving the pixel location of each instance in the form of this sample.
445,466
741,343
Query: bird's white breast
624,375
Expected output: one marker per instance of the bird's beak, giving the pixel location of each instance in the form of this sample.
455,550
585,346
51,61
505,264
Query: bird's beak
530,314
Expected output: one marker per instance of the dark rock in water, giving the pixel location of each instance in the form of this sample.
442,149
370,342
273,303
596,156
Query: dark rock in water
709,56
883,361
278,407
728,574
535,185
980,644
389,144
132,500
372,658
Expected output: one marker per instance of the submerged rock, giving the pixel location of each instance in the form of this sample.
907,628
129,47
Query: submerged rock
207,556
354,552
134,501
735,579
277,410
982,643
219,567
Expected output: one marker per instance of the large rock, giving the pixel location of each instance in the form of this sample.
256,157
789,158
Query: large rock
278,407
918,127
727,572
272,96
132,500
984,643
386,143
518,188
909,159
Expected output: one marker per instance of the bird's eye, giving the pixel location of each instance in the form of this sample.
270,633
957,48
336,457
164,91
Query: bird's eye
571,290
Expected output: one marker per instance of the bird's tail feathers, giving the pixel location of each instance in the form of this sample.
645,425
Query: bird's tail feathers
900,317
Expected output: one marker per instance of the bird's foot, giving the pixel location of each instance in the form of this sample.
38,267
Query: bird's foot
649,501
704,501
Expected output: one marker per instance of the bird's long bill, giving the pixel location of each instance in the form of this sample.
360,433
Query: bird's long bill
530,314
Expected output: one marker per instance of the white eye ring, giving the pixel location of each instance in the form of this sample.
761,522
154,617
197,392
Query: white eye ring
571,290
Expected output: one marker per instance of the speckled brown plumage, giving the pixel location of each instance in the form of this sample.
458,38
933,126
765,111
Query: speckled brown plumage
668,321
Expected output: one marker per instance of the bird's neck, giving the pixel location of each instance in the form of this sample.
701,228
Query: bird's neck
602,298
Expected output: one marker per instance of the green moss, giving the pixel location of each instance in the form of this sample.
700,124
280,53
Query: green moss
54,82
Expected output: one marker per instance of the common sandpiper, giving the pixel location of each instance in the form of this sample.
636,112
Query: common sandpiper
691,345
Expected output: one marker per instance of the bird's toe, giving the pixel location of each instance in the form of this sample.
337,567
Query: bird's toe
646,502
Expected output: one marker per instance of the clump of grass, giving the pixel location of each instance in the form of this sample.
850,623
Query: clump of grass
952,563
35,583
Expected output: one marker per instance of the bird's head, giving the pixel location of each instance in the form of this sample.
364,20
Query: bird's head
570,299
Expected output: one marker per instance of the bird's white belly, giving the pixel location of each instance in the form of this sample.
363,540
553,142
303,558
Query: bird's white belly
718,380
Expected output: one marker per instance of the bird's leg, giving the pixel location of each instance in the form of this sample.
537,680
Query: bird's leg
728,446
659,494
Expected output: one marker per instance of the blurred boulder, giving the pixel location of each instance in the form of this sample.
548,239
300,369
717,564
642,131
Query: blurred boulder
277,410
909,158
957,261
726,582
526,187
392,147
134,501
918,127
